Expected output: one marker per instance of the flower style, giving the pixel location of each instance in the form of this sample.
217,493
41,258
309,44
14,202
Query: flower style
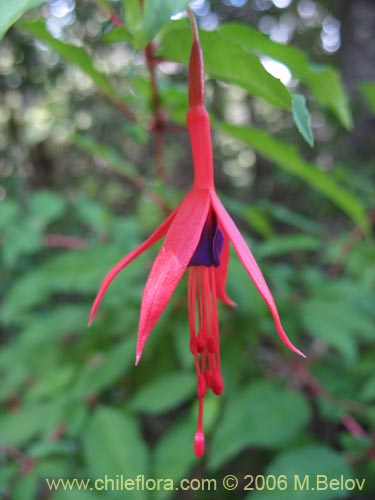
197,236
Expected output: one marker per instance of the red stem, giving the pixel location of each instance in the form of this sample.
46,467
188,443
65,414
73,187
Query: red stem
62,241
354,237
26,463
158,123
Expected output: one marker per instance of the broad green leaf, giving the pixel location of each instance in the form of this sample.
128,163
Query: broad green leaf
7,473
20,426
367,391
71,54
368,90
47,447
22,232
113,444
323,81
328,323
96,216
164,394
258,221
156,14
133,15
286,244
74,271
261,414
302,468
52,383
27,486
287,157
21,238
107,154
168,463
302,118
13,378
10,212
228,62
305,224
339,321
12,10
103,370
82,270
116,35
47,206
41,330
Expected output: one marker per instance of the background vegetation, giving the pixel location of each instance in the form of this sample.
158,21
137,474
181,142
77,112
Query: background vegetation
94,153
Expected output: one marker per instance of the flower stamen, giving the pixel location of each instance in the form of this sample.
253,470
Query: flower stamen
203,317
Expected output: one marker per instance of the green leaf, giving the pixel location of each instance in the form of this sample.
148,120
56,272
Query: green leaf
43,330
71,54
27,486
338,316
325,85
286,244
7,472
74,271
12,10
228,62
305,224
302,118
47,206
22,234
96,216
18,427
307,463
164,394
323,81
48,447
287,157
168,463
368,90
328,322
260,415
57,380
21,238
10,212
107,154
13,379
103,370
367,391
157,13
112,444
133,15
116,35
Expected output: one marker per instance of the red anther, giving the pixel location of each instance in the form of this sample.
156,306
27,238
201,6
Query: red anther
201,341
217,383
193,346
201,386
211,344
199,444
208,375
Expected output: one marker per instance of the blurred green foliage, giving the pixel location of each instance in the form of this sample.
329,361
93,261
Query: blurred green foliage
79,189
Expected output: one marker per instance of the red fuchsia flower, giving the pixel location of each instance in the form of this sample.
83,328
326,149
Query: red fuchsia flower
197,236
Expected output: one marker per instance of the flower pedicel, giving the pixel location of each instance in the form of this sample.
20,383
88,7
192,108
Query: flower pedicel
197,236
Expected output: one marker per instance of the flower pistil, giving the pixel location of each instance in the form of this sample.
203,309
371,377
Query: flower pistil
203,318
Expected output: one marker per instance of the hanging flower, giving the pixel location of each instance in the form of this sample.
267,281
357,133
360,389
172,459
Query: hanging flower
197,236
